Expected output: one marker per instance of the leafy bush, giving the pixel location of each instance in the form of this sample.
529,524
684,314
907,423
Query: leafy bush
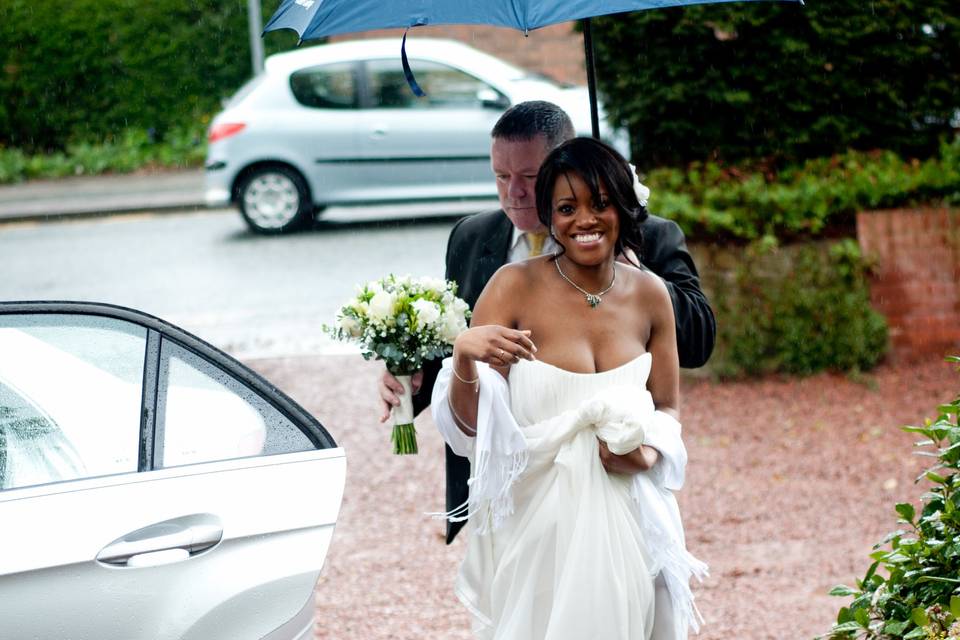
781,80
799,310
918,596
805,201
132,150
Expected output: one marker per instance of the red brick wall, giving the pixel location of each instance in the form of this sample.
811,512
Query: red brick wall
555,51
917,283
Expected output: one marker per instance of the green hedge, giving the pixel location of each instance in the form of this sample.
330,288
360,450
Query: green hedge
714,202
781,80
88,70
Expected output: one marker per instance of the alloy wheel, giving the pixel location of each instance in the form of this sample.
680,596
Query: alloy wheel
271,200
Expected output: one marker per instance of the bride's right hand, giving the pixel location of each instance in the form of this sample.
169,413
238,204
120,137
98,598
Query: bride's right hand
494,344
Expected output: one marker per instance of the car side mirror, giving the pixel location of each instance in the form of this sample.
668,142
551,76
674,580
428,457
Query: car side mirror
491,99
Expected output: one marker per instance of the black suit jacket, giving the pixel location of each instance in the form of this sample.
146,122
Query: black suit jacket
479,245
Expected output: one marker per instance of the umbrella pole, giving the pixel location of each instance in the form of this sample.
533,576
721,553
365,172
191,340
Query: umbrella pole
591,78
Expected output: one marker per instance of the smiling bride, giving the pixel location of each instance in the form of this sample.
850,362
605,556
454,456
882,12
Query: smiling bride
564,395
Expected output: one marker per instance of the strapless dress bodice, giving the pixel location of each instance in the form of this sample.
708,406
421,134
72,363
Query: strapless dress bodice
539,390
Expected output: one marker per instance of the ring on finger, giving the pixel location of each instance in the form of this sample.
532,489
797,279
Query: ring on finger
500,355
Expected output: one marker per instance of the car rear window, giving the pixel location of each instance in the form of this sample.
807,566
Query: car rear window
332,86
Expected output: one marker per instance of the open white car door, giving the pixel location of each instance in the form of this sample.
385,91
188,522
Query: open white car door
151,487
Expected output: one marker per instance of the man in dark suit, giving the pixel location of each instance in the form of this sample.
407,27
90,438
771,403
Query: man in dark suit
482,243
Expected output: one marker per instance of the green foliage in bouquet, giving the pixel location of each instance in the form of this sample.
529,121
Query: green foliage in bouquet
912,589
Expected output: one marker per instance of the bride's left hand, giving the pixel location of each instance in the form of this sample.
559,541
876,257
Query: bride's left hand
641,459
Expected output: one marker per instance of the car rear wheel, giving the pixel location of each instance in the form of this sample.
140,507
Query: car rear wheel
274,199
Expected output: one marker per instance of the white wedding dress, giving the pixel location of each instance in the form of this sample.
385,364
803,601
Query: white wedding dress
559,549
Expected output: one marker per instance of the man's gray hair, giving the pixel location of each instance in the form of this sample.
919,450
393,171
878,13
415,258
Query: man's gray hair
527,120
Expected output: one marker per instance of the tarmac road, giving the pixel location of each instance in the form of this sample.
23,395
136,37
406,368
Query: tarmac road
250,295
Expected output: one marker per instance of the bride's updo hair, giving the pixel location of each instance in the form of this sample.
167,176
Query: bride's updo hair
594,161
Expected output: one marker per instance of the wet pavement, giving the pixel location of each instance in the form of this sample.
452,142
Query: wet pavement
253,296
98,195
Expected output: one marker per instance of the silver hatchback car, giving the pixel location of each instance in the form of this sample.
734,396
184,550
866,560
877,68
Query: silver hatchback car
338,124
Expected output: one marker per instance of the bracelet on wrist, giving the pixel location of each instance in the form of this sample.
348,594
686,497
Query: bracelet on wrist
453,367
460,421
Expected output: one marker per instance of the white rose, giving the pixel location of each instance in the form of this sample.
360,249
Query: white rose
642,190
381,306
434,285
460,307
427,312
350,326
451,326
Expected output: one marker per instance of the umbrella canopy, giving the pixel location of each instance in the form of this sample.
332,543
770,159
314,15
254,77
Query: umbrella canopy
320,18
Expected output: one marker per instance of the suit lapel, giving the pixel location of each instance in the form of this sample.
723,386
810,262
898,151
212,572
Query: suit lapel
495,249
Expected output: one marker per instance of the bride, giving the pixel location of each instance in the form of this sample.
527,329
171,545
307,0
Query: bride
564,394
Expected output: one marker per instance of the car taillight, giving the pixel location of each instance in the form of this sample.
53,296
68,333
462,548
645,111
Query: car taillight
224,130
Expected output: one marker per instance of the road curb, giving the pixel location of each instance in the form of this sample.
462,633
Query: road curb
87,214
102,195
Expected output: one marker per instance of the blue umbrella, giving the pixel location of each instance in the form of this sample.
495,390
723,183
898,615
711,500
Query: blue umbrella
320,18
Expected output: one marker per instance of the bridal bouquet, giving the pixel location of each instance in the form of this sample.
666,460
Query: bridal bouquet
403,321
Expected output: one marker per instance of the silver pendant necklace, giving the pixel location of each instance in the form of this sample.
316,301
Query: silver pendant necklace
593,299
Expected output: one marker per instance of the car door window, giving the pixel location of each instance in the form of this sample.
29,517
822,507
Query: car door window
445,87
204,414
70,397
332,86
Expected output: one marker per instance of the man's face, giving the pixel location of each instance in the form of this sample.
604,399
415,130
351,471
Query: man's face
515,164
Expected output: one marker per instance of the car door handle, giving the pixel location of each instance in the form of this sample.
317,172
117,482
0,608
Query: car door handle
379,131
190,535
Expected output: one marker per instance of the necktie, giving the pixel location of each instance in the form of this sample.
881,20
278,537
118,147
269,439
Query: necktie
535,240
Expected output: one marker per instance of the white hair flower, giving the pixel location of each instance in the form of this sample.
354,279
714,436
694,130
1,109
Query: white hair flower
642,190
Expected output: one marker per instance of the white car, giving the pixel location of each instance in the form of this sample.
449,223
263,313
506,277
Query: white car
338,124
151,487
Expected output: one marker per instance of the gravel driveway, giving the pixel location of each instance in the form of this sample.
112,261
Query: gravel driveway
789,484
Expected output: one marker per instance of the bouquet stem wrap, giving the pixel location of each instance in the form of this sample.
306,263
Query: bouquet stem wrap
404,435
